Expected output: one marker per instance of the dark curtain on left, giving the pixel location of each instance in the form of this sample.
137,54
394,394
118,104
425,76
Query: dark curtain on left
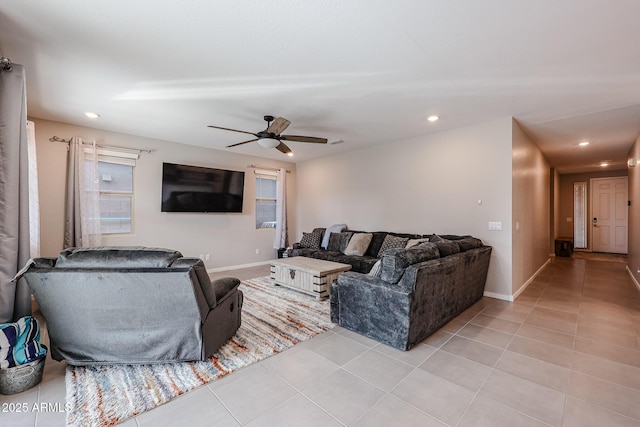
15,298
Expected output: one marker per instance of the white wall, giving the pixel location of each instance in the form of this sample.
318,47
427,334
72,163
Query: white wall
231,239
531,209
430,184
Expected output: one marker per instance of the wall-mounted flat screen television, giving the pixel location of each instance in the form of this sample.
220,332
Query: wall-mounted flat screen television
199,189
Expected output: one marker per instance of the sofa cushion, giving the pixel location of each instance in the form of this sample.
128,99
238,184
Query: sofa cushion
447,237
395,261
358,244
308,252
335,228
468,243
117,257
311,240
338,241
359,264
392,242
447,248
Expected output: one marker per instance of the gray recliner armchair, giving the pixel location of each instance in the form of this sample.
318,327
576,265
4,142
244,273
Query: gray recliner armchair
131,305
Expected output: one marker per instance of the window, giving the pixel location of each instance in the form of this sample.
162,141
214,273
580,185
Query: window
580,215
265,199
116,197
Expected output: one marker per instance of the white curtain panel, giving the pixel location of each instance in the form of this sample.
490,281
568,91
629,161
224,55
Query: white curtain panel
281,210
90,197
82,219
34,197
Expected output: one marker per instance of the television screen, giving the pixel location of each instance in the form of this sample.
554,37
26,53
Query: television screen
198,189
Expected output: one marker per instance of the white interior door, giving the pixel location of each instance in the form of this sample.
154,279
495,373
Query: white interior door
609,214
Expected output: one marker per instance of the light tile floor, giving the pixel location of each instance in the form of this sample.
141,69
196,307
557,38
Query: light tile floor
566,353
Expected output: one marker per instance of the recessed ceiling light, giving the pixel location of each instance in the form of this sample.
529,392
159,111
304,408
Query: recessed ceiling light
290,154
584,143
433,118
92,115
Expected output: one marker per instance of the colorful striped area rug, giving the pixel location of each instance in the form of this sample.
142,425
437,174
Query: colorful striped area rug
273,319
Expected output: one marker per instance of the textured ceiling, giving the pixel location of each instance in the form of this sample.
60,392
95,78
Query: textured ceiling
365,72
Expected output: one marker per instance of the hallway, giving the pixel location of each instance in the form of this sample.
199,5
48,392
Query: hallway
586,312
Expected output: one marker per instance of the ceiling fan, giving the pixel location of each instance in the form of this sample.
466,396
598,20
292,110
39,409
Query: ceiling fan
271,137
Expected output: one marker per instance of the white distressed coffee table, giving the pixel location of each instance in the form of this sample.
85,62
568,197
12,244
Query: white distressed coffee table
309,275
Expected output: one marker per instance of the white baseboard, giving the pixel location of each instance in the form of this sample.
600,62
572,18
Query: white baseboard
498,296
635,281
531,279
237,267
513,297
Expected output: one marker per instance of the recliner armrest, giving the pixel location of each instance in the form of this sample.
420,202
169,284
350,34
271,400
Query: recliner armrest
223,287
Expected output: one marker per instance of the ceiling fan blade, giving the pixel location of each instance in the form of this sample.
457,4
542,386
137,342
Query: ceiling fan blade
232,130
278,125
304,139
283,148
240,143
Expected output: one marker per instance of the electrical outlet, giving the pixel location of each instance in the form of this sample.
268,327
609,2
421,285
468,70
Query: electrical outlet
201,257
257,251
495,225
207,257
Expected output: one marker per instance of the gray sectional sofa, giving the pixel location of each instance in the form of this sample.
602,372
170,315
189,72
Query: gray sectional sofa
400,295
418,291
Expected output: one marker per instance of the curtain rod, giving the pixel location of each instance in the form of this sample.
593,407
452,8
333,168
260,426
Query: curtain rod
5,63
115,147
268,169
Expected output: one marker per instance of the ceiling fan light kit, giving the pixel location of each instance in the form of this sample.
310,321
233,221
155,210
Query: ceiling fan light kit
272,136
268,142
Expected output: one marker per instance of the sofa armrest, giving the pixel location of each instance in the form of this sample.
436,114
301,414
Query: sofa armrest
372,307
224,287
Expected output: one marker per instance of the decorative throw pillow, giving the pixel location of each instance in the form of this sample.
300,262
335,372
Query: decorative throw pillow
376,270
334,242
335,228
311,240
392,242
358,244
338,241
415,242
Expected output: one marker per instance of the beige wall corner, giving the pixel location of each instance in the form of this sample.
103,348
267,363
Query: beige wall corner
531,209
